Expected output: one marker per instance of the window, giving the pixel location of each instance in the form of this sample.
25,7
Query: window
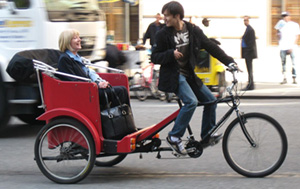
278,6
22,4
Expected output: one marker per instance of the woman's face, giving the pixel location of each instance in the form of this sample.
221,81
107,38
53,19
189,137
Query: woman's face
76,43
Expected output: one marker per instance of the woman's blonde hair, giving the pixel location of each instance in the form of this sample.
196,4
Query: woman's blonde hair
65,38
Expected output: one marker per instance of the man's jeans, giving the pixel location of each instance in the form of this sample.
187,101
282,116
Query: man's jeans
190,101
283,54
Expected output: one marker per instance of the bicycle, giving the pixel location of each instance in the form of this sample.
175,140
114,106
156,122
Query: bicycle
71,143
147,81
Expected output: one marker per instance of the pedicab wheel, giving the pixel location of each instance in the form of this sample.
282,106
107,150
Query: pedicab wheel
221,85
109,161
269,149
140,92
65,151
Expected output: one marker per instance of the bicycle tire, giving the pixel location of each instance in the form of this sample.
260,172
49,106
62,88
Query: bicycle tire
109,161
65,151
268,154
141,92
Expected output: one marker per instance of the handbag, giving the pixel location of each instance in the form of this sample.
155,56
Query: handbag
117,121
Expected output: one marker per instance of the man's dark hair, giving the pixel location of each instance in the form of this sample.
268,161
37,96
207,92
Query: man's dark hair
173,7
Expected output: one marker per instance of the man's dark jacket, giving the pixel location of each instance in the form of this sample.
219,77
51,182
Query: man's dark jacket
150,33
163,54
249,52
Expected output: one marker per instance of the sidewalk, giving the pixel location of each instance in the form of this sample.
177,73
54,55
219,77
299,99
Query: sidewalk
264,90
273,90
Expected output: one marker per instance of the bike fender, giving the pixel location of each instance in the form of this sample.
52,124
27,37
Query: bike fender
58,112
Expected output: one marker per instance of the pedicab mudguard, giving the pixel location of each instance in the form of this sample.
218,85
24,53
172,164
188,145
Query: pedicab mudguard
65,112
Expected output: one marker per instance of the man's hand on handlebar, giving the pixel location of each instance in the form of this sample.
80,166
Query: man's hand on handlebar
234,67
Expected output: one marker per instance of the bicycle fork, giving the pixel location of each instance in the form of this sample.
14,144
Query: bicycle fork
243,121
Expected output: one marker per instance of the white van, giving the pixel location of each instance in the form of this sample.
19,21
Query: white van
37,24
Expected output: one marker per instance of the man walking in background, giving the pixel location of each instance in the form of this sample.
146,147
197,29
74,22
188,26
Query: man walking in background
152,29
249,51
289,33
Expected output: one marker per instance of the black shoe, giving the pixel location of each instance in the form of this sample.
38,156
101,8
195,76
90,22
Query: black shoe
177,146
248,88
212,140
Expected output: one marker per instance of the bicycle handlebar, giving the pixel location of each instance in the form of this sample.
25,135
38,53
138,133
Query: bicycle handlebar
232,68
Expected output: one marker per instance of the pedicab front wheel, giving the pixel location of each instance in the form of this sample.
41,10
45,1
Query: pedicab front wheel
65,151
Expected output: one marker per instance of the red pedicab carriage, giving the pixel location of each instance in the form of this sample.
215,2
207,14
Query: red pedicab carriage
71,142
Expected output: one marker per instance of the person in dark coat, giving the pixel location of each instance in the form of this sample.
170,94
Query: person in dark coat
152,29
249,51
114,56
70,62
177,45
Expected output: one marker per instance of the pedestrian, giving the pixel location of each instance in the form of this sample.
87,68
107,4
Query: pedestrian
152,29
289,34
176,47
249,51
207,31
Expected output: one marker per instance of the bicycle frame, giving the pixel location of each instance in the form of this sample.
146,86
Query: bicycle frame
233,108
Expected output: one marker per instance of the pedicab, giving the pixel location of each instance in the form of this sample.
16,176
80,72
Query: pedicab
72,142
211,72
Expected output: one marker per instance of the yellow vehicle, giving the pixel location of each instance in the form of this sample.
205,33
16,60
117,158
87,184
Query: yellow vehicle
211,72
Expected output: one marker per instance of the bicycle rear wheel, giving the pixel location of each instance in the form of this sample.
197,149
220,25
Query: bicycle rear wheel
268,153
140,90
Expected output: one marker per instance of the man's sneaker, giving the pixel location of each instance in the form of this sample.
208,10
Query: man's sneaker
212,140
177,146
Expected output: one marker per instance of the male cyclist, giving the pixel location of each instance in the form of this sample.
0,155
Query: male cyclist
176,48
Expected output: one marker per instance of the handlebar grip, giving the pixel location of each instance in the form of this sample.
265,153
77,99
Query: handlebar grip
232,67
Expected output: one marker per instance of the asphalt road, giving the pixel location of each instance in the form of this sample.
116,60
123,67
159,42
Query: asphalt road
19,170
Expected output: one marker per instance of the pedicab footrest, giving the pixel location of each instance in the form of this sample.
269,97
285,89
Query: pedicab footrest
110,146
126,145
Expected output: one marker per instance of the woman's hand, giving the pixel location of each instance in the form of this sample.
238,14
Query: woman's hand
103,84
